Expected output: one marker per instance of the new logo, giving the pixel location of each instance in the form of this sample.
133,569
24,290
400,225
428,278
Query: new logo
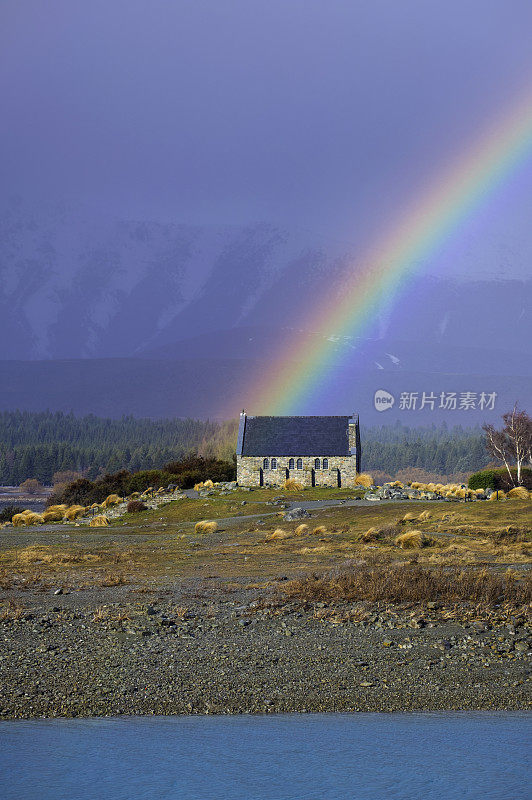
383,400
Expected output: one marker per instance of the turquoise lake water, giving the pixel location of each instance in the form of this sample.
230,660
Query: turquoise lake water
280,757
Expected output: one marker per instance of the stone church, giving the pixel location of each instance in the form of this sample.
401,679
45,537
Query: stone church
314,451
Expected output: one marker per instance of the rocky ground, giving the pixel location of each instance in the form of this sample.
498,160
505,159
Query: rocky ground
206,648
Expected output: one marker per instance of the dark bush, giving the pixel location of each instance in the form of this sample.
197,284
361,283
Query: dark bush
499,479
139,481
9,511
185,473
134,506
204,469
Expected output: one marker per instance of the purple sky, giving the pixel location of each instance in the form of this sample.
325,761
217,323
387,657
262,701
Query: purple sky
323,116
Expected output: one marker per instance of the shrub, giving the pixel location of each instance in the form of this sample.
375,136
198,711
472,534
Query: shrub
364,479
31,486
134,506
205,526
499,479
8,512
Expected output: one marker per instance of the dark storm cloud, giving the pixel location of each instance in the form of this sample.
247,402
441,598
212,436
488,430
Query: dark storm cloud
322,115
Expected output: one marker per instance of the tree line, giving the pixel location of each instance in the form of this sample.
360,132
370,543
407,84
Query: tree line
39,445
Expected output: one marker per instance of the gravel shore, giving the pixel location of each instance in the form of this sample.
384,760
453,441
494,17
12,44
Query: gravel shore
218,652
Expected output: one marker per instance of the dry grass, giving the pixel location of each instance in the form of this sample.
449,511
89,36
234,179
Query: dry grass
301,530
412,540
99,522
411,584
519,493
206,526
364,479
12,610
55,515
111,500
114,579
410,517
292,485
27,518
501,496
74,512
278,533
424,516
319,530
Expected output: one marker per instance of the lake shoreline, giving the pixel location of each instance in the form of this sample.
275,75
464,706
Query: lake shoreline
207,650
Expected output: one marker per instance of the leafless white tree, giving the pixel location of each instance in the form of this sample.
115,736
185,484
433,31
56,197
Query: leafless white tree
513,444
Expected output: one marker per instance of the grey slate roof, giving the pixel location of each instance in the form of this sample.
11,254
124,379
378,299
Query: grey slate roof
295,436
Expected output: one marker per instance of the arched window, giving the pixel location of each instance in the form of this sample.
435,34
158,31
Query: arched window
266,464
325,464
274,463
299,463
291,464
316,463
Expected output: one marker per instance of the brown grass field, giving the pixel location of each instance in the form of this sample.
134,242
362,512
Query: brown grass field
162,545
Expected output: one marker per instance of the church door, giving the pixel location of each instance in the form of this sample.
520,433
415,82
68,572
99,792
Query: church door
339,476
261,477
313,477
287,472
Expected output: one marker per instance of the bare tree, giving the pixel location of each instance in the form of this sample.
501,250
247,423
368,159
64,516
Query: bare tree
512,444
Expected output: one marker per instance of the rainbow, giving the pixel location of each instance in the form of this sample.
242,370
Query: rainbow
297,372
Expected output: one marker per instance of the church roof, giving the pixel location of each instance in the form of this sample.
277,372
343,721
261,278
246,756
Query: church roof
294,436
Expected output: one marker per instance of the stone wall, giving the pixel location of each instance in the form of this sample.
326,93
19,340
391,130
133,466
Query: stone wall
248,471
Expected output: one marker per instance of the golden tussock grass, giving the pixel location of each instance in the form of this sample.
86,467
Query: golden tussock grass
292,485
278,533
205,526
74,512
410,517
99,522
52,516
111,500
364,479
502,496
424,516
371,535
319,530
208,484
519,493
301,530
411,583
59,508
413,540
